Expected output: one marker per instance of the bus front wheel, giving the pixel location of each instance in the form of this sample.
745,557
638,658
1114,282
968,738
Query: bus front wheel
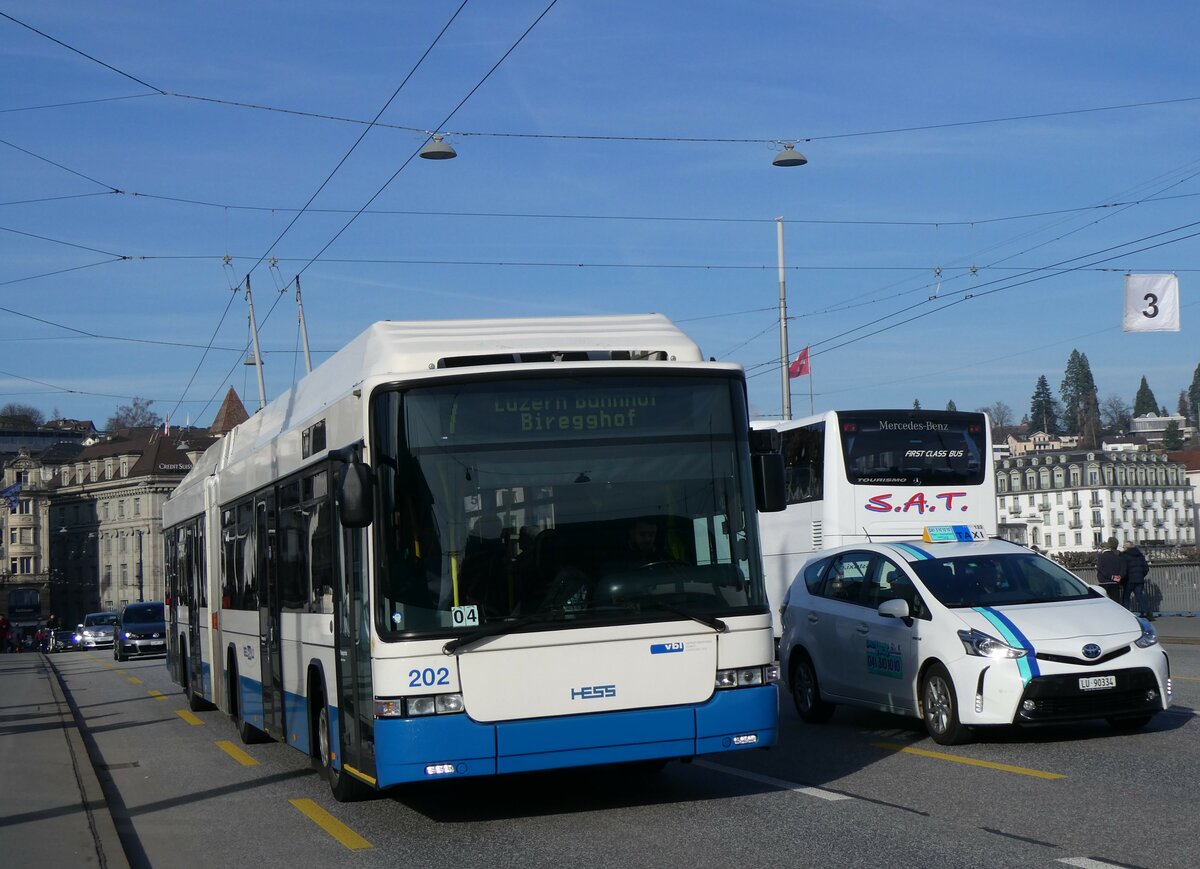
344,787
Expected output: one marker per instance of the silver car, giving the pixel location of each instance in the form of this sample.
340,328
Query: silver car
97,631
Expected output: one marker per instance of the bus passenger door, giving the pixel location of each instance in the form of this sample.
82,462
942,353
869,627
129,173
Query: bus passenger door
356,700
270,639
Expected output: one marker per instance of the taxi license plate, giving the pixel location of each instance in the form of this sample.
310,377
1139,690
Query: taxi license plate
1097,683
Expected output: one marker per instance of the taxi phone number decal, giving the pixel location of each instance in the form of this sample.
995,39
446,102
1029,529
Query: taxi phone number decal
884,659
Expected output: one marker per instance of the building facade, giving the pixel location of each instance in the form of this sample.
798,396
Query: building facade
1074,500
106,510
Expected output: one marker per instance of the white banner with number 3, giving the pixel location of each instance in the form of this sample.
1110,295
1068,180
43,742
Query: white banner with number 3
1151,303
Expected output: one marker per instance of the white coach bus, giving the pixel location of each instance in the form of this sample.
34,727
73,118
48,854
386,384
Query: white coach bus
861,476
418,562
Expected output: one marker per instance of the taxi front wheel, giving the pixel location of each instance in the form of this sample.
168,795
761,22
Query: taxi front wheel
939,708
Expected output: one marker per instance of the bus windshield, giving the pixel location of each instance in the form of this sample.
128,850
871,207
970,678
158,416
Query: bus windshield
583,496
914,448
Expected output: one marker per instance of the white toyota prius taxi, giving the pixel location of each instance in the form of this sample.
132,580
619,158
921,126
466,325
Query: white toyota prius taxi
964,633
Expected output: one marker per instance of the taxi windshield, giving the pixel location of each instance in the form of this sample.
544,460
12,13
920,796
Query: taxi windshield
999,580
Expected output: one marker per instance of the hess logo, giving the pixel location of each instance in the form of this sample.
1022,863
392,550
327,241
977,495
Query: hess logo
593,692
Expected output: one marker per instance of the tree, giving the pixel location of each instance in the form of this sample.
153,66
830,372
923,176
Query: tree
1000,413
1116,414
1183,408
1089,421
1043,409
1076,386
916,404
1172,436
134,415
23,414
1144,402
950,405
1194,396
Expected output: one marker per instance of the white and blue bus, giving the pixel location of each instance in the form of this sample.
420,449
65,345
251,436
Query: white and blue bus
862,476
415,564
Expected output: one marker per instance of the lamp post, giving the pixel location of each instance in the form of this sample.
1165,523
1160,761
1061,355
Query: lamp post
139,566
789,156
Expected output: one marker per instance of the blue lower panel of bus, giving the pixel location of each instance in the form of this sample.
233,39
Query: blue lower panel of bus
454,745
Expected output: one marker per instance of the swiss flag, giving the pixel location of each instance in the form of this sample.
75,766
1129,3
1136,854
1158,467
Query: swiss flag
800,367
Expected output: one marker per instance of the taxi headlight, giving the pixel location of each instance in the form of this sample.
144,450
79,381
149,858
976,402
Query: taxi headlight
1149,636
986,646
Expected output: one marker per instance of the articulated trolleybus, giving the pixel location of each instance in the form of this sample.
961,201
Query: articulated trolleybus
856,476
478,547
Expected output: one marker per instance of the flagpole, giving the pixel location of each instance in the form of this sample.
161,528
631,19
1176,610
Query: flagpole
786,385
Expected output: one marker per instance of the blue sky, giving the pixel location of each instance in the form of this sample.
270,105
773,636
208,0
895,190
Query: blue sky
618,160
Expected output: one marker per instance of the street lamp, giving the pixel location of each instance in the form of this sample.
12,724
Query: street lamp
139,566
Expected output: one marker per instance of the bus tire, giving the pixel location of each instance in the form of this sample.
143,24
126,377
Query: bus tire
344,787
247,733
806,691
939,708
196,703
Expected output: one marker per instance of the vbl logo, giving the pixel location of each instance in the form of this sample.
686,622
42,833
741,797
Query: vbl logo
920,502
593,692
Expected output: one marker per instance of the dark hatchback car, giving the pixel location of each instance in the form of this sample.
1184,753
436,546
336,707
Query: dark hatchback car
140,630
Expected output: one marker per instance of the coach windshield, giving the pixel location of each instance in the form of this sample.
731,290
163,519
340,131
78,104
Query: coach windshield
581,497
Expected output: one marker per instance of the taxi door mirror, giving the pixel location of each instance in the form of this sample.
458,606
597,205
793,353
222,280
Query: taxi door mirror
896,608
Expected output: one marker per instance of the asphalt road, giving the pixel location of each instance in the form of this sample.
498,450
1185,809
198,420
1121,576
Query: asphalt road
866,789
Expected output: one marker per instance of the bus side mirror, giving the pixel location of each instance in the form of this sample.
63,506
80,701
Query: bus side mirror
769,493
356,489
766,459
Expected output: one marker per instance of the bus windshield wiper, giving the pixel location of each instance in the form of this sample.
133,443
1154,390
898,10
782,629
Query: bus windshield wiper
710,621
495,629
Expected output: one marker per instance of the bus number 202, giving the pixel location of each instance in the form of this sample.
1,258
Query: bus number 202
428,677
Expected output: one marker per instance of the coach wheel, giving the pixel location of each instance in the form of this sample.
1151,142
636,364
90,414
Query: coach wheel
939,708
806,693
344,787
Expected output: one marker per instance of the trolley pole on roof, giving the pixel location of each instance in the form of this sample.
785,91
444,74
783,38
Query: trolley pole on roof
262,389
785,386
303,329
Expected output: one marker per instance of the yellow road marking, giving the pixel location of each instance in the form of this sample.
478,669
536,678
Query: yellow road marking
331,825
236,753
970,761
1187,678
157,695
188,717
135,680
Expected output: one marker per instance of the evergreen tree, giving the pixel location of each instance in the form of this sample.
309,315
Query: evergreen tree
1043,409
1194,396
1076,390
1172,437
916,404
1144,402
1089,421
1182,407
950,405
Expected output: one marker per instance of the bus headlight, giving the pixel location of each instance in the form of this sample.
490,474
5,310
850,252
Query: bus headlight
748,677
418,707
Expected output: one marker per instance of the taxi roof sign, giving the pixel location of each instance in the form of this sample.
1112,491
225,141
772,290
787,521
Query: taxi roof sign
954,534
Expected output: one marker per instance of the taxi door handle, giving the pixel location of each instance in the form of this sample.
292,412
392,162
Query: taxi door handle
813,618
862,629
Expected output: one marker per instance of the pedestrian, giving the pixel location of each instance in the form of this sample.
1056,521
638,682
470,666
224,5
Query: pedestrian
1110,569
5,631
1136,569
